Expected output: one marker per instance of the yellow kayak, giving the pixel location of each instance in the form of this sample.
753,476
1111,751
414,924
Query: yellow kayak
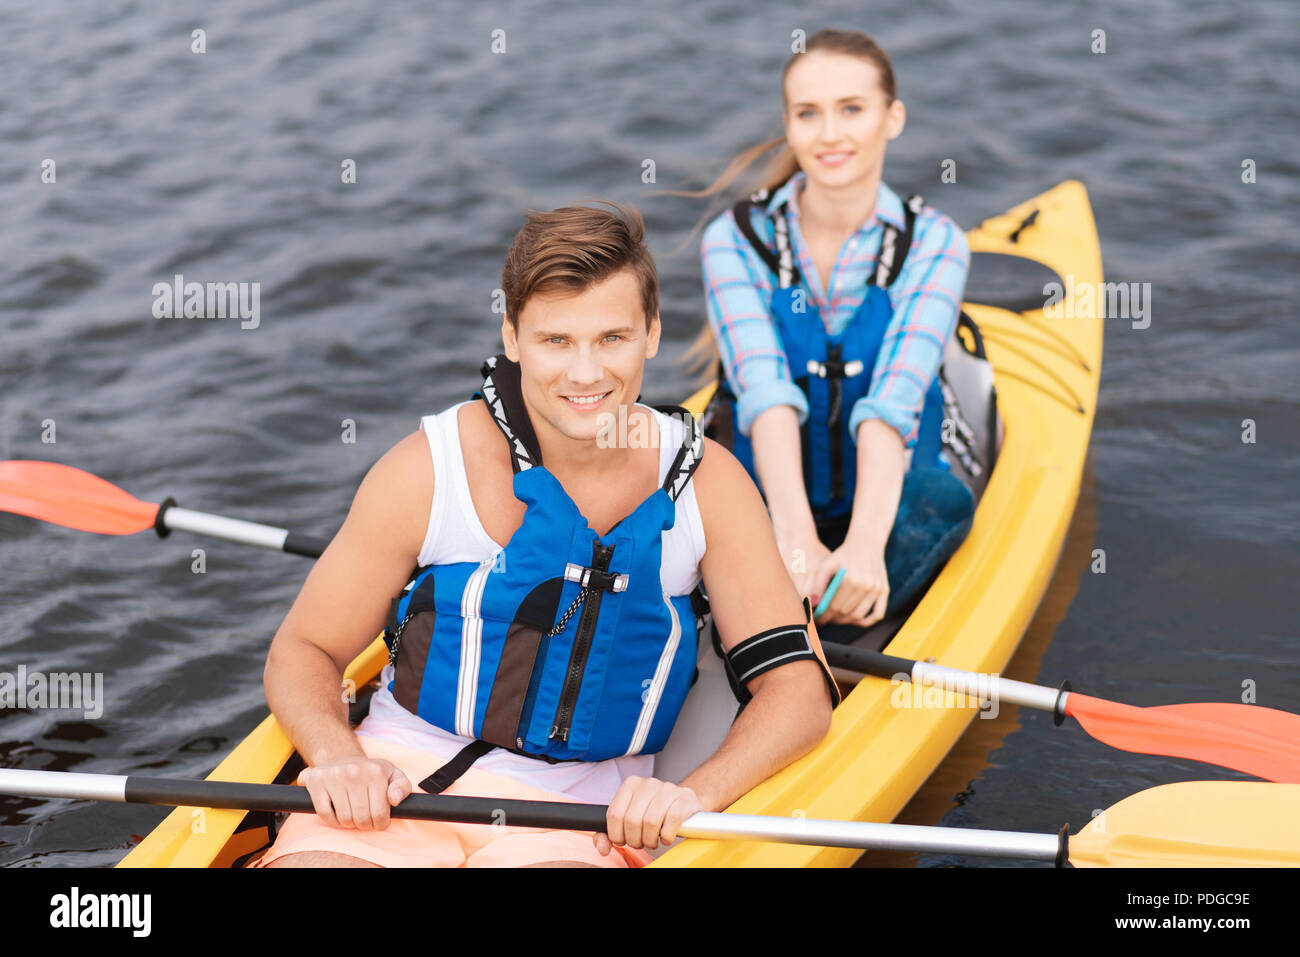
882,746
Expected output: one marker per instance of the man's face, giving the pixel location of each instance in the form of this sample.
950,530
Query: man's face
582,356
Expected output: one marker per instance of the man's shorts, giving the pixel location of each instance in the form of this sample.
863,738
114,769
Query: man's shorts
408,843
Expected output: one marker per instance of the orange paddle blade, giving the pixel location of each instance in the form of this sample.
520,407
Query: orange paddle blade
1264,742
70,497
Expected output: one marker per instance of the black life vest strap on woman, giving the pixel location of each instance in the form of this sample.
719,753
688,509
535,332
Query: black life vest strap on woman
889,265
781,263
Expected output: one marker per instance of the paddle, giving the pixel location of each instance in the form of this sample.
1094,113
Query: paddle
1192,824
1264,742
73,498
1261,741
831,588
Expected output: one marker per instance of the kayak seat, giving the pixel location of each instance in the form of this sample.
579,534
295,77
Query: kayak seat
1014,283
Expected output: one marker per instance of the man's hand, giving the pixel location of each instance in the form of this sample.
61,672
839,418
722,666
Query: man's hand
355,792
646,812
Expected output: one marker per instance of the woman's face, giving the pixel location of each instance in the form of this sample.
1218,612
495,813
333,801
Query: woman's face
838,120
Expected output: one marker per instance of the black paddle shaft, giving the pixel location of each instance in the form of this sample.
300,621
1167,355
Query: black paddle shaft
865,661
175,792
304,545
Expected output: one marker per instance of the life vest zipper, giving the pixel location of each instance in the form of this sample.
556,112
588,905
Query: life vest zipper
601,555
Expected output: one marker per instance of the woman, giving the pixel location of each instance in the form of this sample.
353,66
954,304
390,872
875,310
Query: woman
831,301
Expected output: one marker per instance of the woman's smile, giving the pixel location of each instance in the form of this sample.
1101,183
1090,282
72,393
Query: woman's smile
834,157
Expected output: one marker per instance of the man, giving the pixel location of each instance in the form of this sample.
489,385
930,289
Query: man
545,649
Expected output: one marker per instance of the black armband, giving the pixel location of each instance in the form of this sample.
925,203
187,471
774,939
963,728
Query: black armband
771,649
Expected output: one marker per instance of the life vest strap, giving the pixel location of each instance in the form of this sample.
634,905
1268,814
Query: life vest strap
690,454
503,395
889,264
445,776
773,262
453,770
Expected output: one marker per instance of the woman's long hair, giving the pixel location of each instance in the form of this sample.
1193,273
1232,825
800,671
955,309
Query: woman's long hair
702,355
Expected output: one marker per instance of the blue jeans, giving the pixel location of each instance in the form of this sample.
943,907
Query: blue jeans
935,511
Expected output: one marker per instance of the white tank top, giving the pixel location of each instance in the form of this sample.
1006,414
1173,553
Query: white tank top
455,534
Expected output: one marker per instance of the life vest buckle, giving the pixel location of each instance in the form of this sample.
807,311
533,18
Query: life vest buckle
594,578
835,369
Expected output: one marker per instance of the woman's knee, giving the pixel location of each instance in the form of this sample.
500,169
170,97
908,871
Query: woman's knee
940,493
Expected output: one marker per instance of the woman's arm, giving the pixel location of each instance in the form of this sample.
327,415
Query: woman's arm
770,407
737,294
926,299
864,591
778,459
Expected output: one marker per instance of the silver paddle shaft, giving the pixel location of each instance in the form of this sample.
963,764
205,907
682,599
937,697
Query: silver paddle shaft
231,529
870,836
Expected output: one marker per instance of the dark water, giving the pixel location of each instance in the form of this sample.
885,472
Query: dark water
376,307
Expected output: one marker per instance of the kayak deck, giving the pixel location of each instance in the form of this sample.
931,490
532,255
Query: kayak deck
876,754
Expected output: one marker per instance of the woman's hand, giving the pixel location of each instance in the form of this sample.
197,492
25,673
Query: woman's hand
646,812
803,554
864,591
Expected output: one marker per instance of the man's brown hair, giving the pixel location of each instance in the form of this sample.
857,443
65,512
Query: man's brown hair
571,249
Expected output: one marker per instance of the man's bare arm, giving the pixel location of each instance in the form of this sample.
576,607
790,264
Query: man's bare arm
338,612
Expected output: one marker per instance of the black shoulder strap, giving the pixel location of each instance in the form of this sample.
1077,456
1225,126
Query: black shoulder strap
688,456
503,396
781,262
889,264
746,226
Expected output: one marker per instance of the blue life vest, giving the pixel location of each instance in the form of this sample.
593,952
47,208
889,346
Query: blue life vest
565,646
834,372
